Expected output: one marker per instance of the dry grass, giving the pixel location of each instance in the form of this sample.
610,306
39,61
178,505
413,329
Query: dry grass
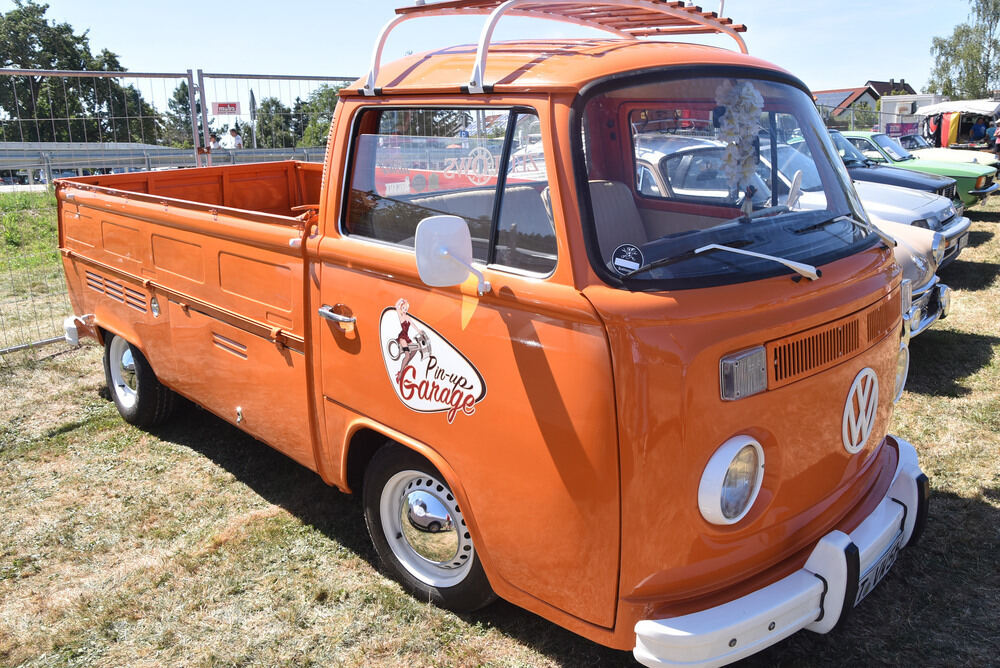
195,545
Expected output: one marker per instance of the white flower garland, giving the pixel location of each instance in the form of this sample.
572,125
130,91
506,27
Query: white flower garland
738,128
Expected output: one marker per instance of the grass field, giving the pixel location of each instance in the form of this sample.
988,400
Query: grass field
195,545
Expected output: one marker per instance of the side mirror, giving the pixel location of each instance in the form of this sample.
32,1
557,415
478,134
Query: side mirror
444,252
874,156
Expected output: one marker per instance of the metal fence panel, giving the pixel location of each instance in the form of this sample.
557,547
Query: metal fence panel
56,123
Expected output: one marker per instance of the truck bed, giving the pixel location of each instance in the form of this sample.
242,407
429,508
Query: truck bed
203,270
272,188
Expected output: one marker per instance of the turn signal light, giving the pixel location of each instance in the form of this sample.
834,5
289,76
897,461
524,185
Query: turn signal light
743,374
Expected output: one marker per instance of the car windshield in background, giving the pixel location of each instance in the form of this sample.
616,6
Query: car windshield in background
892,147
914,142
743,163
848,151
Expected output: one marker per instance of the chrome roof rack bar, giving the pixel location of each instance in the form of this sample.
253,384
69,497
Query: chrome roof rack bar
628,19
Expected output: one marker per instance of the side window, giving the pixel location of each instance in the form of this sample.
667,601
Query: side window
526,236
861,144
413,163
409,164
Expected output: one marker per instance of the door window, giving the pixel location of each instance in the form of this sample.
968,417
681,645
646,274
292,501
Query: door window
485,166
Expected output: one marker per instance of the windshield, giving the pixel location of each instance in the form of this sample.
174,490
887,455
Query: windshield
914,142
848,151
892,147
744,163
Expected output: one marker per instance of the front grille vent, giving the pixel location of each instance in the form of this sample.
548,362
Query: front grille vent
949,191
116,291
806,353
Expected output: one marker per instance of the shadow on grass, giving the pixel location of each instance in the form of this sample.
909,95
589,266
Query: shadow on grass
936,606
941,358
983,216
979,237
286,484
275,477
970,276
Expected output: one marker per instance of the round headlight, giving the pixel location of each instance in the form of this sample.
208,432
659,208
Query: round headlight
731,481
902,370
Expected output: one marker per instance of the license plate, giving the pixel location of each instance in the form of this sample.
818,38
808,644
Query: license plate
878,570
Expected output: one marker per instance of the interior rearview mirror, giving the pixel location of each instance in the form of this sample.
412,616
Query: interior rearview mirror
444,252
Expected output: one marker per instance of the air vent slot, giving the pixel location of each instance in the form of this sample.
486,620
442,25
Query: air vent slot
116,291
806,353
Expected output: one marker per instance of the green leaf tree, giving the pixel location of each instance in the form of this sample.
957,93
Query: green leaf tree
318,109
965,64
273,126
45,108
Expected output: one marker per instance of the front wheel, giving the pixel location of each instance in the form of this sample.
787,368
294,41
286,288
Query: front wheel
419,531
139,396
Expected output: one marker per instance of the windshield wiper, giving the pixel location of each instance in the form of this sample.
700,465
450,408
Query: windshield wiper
800,268
868,227
664,261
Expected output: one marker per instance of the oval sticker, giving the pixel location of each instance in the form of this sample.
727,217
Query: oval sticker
428,374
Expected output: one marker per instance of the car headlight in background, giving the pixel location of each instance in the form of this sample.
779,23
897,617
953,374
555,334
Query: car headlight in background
731,480
922,223
905,296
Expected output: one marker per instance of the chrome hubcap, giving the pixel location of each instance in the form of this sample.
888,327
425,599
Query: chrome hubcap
425,528
122,368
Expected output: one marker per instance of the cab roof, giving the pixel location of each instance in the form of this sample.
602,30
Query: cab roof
544,66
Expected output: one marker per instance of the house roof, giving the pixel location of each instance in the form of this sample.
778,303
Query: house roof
887,87
841,99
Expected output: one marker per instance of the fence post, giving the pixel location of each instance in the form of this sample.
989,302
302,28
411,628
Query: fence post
204,113
194,117
48,168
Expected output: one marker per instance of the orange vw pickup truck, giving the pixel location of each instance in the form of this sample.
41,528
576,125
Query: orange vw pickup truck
551,310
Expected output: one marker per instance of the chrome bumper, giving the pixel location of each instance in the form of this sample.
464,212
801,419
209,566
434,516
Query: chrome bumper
956,237
815,597
931,304
985,192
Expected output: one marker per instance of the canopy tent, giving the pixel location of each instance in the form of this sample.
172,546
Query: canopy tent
987,107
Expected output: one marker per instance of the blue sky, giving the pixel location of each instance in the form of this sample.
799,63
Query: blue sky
828,45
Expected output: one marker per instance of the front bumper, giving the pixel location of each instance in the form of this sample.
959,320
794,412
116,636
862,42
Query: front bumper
985,192
956,237
929,305
840,571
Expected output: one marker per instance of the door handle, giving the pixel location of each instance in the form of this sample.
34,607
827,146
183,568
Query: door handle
327,312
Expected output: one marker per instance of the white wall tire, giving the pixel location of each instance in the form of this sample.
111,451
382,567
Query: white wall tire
139,396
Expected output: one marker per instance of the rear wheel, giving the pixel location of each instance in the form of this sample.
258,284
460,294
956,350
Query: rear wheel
140,398
419,531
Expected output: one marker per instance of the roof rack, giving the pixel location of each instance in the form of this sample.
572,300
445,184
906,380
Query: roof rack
628,19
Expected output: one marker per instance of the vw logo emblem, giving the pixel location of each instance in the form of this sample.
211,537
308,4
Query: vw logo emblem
860,410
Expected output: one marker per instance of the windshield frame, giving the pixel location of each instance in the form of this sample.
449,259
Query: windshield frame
890,150
580,176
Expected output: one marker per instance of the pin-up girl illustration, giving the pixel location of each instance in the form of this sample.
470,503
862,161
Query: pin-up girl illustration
410,340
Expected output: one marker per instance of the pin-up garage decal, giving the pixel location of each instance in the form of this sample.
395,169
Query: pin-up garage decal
428,374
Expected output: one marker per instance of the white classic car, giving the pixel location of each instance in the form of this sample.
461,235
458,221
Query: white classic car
926,227
922,148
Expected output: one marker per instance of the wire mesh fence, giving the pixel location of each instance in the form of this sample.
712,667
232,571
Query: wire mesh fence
60,123
33,300
865,118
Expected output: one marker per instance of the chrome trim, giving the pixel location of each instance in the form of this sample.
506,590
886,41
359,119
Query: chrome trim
929,305
326,311
988,190
955,229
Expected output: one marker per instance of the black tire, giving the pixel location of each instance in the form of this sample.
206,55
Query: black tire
458,581
146,404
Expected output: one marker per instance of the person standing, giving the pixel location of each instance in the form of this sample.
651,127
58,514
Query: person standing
978,129
234,140
213,142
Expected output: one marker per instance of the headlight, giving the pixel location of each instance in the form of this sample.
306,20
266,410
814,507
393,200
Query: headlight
731,480
980,182
902,370
906,296
922,222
